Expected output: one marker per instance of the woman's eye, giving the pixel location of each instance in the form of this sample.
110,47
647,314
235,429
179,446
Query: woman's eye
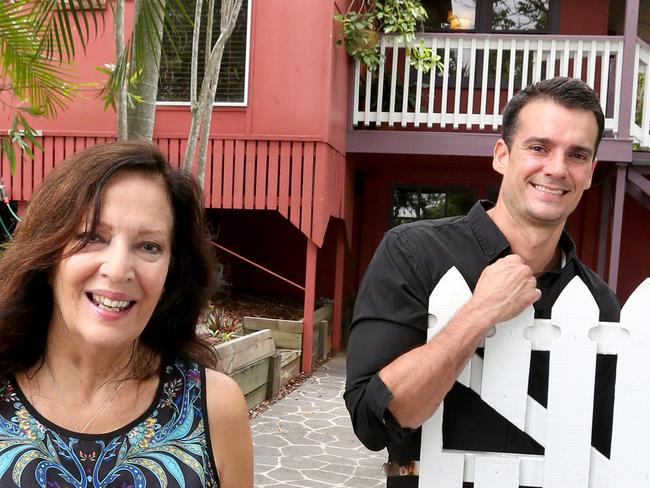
90,237
151,247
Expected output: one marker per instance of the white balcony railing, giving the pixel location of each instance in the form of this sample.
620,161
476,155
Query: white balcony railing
493,68
640,120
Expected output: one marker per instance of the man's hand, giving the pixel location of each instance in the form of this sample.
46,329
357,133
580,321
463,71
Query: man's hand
504,289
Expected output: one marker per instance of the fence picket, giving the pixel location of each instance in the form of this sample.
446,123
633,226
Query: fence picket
451,293
506,363
631,429
442,470
572,371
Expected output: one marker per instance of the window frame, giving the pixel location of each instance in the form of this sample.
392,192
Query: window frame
243,103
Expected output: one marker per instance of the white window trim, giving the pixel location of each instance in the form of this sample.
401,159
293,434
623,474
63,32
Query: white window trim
246,71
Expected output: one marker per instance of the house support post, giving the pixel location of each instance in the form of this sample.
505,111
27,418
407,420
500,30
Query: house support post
308,311
338,288
604,226
629,46
617,225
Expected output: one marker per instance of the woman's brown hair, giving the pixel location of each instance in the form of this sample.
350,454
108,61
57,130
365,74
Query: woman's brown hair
72,192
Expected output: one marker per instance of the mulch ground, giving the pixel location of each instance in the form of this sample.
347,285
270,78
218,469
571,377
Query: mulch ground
240,305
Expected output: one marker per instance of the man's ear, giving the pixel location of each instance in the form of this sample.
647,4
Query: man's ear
591,173
500,156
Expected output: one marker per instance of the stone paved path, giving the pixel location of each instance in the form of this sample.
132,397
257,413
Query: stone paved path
306,440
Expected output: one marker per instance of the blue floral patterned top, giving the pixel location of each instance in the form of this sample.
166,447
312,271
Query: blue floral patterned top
168,446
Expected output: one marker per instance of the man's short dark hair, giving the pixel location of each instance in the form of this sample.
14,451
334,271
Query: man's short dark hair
570,93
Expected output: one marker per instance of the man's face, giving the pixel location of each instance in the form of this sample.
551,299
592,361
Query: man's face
549,164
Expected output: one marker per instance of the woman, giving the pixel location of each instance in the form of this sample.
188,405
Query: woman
100,293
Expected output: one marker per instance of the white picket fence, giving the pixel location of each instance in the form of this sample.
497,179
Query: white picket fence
481,73
573,336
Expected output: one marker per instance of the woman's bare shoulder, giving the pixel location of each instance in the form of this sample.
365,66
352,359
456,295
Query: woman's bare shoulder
229,430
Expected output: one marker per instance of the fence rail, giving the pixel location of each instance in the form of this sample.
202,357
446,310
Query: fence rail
481,73
573,336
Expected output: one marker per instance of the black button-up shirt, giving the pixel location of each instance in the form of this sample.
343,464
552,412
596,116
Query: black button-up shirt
390,318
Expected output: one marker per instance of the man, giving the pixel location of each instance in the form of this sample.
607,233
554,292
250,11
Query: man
512,254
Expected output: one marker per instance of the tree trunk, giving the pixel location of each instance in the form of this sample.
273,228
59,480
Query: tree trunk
119,52
142,116
196,34
202,117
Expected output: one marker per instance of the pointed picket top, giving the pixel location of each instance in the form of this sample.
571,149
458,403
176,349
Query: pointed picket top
576,310
635,309
451,293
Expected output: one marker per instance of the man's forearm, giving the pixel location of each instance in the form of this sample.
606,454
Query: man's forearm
420,378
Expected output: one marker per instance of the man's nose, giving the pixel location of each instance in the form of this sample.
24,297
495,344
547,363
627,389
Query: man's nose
556,164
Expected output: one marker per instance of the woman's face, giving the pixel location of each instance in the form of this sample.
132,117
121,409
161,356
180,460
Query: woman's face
105,293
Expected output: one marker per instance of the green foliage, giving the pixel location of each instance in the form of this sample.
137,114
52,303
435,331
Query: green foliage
220,325
37,41
361,29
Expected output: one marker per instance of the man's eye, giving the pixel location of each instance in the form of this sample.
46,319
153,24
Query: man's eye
537,148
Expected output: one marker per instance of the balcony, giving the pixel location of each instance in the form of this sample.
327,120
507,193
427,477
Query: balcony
483,71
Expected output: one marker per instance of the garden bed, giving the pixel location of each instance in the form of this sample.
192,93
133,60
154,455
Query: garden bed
262,364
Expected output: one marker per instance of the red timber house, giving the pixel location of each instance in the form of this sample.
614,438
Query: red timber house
312,158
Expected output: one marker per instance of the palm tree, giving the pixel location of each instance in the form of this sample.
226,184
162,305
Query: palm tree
36,43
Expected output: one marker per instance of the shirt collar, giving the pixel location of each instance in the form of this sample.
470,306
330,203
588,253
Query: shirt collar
492,241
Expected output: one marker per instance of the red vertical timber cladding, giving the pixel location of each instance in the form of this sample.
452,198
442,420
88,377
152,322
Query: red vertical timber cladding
296,183
207,174
249,189
172,147
59,150
38,175
238,184
27,165
68,146
182,146
320,201
17,178
285,175
6,177
307,188
272,181
228,170
49,154
261,169
217,174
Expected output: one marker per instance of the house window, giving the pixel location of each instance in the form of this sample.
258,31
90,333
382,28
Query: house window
489,15
518,15
175,62
450,14
411,203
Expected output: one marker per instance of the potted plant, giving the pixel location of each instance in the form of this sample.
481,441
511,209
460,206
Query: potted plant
363,24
